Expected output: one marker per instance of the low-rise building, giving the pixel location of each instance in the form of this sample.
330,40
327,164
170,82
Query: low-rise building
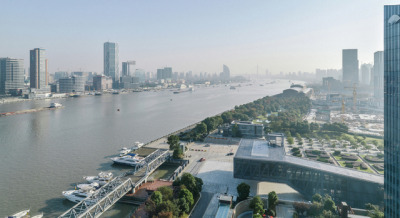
102,83
72,84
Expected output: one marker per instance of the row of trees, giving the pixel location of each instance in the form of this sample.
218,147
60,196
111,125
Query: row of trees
176,201
289,106
321,207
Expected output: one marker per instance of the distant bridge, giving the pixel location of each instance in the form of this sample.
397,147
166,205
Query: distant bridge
110,193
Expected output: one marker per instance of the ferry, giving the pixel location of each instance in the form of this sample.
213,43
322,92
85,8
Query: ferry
98,93
191,89
55,105
115,92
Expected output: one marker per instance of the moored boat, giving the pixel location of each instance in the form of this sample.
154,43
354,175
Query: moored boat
19,214
102,179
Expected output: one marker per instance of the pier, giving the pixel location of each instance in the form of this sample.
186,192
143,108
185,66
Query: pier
113,191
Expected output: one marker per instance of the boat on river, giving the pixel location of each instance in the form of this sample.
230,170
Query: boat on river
19,214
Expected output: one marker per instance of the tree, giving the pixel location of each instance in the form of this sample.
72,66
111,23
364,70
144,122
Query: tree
236,131
243,191
375,142
178,153
183,205
173,141
316,209
272,200
376,214
187,195
166,193
317,198
165,214
156,197
329,204
290,140
191,183
168,206
257,205
201,128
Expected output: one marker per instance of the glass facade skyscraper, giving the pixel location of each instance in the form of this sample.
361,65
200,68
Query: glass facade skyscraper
392,109
38,69
350,66
111,60
11,74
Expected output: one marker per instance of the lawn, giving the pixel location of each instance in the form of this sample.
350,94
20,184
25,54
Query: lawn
164,171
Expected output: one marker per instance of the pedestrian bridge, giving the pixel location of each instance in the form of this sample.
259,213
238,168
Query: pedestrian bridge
110,193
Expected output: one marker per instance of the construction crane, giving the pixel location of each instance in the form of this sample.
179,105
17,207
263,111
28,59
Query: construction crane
354,95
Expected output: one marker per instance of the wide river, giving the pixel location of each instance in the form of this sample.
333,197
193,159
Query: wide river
47,152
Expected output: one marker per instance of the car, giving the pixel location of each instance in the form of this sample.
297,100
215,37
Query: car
202,159
230,154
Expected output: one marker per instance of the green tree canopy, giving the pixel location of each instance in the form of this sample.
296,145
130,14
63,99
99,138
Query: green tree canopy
166,192
156,197
317,198
243,191
187,195
257,205
272,200
173,141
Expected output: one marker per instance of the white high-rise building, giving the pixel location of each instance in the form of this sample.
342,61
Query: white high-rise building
378,75
111,60
366,73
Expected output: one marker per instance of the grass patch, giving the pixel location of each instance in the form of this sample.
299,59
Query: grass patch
164,171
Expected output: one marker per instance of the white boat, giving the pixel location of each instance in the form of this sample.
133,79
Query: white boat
102,179
19,214
93,185
77,196
55,105
130,159
124,151
37,216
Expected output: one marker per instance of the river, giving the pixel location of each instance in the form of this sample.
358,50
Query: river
47,152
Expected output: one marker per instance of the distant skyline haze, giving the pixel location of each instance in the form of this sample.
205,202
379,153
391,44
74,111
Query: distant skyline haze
201,36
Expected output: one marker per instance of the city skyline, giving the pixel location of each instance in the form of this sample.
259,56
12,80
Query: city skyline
193,42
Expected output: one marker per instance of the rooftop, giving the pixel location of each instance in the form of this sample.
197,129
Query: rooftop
259,150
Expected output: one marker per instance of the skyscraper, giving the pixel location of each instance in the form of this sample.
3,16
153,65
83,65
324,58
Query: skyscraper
111,62
128,68
366,73
226,73
378,75
392,110
11,75
39,75
350,66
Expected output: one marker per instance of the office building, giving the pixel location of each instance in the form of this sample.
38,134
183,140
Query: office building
226,73
60,74
391,109
350,66
366,73
111,62
378,75
39,76
11,75
72,84
102,83
164,74
128,68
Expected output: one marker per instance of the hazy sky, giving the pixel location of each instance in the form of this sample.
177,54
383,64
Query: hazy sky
194,35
